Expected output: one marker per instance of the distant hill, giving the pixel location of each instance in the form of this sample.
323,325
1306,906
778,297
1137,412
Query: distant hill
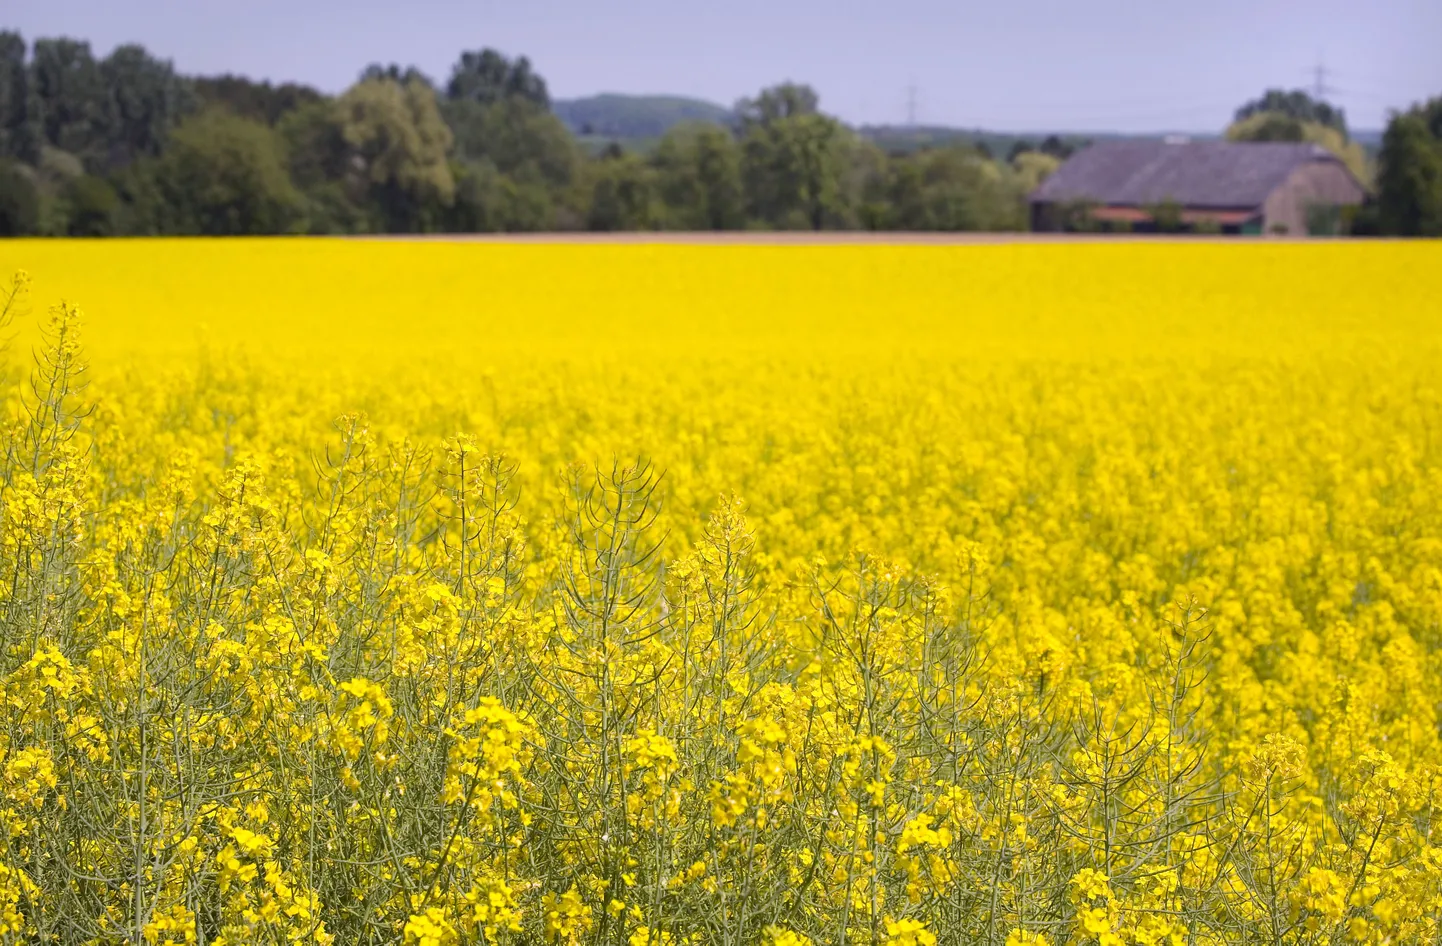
634,117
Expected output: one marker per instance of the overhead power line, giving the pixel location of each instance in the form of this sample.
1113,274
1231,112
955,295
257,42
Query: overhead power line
1320,87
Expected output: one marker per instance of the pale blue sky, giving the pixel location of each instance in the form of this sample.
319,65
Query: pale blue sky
1130,65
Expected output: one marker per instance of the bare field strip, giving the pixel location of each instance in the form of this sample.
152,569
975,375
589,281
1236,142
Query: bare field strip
830,238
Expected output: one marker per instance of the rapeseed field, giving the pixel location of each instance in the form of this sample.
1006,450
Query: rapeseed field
426,593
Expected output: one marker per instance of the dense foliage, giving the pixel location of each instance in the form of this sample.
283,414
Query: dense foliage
93,145
1409,178
1012,595
1296,105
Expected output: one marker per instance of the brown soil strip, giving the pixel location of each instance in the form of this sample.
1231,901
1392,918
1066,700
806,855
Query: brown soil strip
825,238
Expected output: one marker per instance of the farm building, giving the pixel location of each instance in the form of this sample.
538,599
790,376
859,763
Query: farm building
1218,186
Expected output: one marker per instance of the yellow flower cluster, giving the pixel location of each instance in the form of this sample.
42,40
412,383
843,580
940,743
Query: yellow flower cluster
1019,596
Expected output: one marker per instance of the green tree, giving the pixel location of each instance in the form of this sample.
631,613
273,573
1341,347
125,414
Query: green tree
315,143
871,171
145,99
1409,175
698,171
53,174
19,200
395,73
221,175
951,189
793,170
787,100
624,195
520,139
487,76
398,148
320,166
258,101
488,201
1268,126
520,167
107,112
20,136
69,99
793,158
91,207
1296,105
1032,168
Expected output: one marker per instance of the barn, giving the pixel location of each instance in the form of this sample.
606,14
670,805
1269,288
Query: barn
1210,186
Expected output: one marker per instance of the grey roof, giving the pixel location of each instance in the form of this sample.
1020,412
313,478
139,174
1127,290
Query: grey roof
1192,173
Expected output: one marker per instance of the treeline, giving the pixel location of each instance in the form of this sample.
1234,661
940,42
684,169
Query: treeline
125,145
